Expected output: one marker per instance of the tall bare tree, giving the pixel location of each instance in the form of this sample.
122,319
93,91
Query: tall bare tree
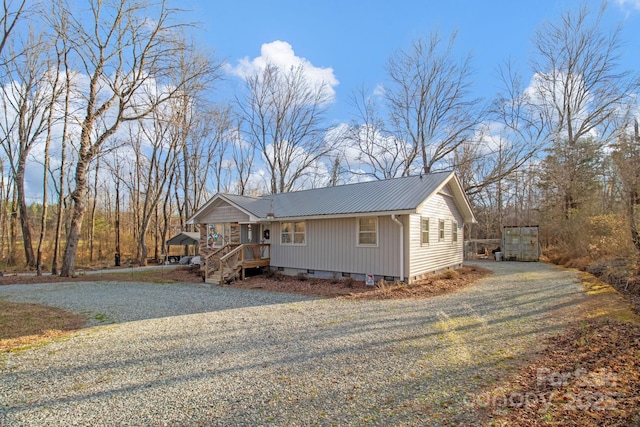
51,113
377,151
243,155
67,114
191,122
578,85
282,113
27,96
126,48
429,100
157,152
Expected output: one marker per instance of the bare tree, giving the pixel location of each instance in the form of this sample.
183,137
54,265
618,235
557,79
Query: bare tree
126,49
27,99
191,122
282,115
62,51
626,157
578,86
429,100
56,93
10,16
243,154
220,138
515,136
204,151
156,151
378,153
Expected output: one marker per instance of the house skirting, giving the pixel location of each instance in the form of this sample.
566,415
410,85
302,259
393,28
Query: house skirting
341,275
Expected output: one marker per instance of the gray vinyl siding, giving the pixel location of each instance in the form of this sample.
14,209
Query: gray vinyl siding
224,212
437,255
331,245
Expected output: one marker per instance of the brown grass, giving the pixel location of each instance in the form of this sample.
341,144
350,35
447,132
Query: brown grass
26,324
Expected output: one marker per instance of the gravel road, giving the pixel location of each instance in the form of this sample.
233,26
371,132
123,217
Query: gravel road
184,354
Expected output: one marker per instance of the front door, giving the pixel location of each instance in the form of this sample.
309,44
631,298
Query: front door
265,237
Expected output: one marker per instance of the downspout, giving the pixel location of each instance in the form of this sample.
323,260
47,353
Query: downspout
394,219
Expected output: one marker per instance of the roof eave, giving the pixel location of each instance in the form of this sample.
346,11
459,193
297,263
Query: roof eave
219,196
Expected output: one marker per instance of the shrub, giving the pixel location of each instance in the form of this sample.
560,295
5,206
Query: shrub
302,277
613,271
449,274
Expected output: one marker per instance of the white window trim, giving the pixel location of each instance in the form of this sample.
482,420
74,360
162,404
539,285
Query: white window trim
367,245
442,233
422,243
454,232
293,223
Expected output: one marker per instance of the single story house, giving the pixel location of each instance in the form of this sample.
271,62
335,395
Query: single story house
396,229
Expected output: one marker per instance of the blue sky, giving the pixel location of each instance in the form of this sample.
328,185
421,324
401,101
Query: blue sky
352,40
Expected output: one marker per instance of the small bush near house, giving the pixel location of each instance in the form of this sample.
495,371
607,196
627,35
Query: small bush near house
382,284
449,274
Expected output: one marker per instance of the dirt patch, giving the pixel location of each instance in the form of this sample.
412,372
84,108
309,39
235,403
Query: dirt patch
436,284
22,324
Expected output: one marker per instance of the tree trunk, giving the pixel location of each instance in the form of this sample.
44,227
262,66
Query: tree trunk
117,213
94,204
13,221
29,256
63,158
77,214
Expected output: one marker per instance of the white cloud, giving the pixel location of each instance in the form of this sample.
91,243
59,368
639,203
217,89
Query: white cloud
632,3
547,92
281,54
379,90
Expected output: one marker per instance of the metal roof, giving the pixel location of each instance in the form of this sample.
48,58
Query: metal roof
390,195
184,238
394,195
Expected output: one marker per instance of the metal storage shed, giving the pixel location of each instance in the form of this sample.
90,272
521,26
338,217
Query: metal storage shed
520,243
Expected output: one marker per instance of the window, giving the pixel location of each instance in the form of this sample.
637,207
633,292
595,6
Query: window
292,233
454,232
441,230
424,239
218,235
368,231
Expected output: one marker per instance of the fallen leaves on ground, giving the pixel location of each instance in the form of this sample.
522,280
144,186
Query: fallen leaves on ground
588,376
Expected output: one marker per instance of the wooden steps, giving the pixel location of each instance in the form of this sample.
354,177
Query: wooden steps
228,274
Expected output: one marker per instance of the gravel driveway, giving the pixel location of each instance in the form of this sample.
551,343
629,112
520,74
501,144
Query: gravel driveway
191,355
